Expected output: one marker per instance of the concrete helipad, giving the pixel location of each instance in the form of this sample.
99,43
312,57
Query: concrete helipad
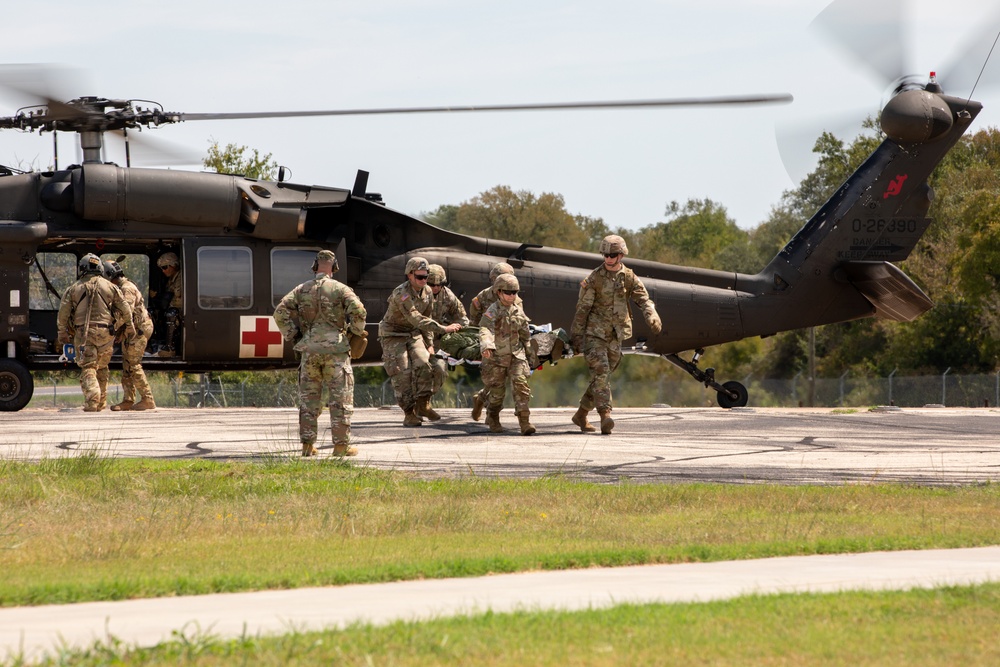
930,446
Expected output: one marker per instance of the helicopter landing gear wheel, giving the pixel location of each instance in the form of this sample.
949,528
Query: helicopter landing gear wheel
731,394
732,387
16,385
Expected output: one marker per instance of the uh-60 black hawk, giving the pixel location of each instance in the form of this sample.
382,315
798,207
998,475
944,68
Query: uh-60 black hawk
243,244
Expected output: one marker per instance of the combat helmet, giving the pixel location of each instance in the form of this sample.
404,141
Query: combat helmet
113,270
416,264
168,259
613,244
499,269
507,282
325,256
90,263
436,275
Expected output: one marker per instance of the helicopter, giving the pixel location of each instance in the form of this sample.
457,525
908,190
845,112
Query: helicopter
244,243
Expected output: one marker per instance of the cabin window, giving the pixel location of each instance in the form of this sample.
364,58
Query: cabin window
225,278
135,268
290,267
59,269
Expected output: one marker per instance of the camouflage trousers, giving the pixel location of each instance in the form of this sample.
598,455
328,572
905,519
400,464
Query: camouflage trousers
319,370
135,386
603,358
93,355
408,364
495,373
440,368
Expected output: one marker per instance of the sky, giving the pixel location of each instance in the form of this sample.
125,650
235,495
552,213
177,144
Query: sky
623,166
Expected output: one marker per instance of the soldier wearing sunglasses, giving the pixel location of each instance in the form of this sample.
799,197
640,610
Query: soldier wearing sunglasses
406,334
602,321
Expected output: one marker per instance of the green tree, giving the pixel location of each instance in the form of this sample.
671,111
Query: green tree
242,161
699,233
502,213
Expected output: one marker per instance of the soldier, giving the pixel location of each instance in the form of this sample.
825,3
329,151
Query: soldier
485,298
91,311
406,333
134,381
447,309
502,340
171,302
319,316
477,307
602,322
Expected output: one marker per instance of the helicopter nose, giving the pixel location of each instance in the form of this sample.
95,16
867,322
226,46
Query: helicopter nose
915,116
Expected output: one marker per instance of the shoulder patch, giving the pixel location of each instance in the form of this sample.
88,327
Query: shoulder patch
404,297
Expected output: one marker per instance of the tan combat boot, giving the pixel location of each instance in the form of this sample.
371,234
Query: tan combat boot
493,420
424,408
146,403
477,406
309,449
124,405
607,423
580,419
526,427
344,449
410,418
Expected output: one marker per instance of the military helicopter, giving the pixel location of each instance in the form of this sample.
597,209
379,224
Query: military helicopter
244,243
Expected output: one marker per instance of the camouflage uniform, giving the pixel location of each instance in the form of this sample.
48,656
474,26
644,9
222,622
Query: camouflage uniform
134,382
406,334
602,321
90,312
504,330
447,309
317,315
477,307
171,314
486,298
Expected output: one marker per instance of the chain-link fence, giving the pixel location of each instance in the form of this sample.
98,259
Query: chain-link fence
677,390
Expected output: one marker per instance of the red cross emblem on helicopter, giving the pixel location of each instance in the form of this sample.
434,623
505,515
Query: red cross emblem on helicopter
260,337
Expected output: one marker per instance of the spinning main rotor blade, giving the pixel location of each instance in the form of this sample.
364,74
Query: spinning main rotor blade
780,98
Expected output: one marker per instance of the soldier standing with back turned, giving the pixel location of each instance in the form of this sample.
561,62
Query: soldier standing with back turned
318,316
134,382
602,322
91,311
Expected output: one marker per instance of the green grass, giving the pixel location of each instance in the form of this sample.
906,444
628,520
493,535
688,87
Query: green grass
93,527
947,626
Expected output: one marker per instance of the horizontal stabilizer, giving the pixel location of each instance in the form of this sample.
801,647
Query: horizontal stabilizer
891,291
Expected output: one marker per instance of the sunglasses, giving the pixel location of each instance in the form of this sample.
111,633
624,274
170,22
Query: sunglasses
509,292
419,276
611,255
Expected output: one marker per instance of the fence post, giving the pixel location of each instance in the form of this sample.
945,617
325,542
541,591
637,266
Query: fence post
384,385
795,380
944,380
458,392
890,384
842,376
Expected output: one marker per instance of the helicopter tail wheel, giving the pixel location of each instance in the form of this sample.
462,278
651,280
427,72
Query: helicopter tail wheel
726,398
16,385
